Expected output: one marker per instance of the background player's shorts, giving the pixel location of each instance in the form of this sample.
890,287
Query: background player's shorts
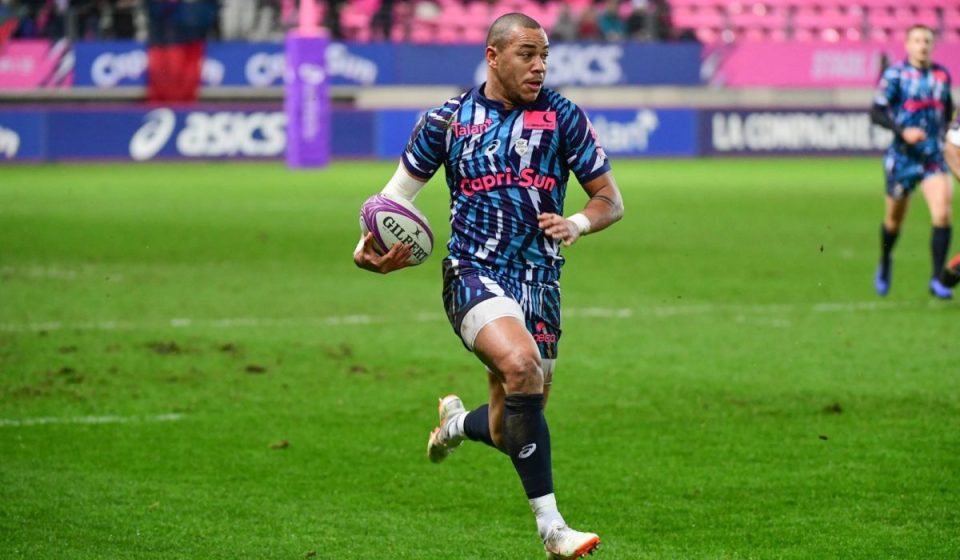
904,173
465,287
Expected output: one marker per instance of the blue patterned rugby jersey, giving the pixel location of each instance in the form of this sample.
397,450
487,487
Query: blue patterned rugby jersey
503,168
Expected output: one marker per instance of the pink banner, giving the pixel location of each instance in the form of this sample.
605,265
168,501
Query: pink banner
30,64
810,65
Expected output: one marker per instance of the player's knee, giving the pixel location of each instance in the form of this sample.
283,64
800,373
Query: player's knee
522,372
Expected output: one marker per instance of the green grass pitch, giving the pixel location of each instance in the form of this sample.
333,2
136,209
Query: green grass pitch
192,368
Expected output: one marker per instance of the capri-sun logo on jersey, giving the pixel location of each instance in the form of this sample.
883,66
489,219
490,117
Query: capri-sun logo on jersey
528,178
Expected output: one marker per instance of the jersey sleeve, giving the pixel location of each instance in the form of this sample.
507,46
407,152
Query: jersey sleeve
427,147
949,107
888,89
581,147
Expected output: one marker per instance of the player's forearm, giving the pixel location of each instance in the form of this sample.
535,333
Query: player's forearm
604,208
881,116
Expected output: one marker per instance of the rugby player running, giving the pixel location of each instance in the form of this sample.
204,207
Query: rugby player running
507,148
914,101
950,276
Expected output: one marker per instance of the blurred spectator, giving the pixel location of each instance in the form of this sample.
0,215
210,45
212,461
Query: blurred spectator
565,28
639,23
662,20
237,18
611,26
331,18
8,21
426,10
86,14
381,24
177,35
587,28
123,19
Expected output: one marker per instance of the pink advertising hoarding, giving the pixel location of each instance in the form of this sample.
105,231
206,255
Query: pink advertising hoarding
809,65
30,64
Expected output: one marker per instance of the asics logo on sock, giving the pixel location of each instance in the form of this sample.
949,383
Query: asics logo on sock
527,450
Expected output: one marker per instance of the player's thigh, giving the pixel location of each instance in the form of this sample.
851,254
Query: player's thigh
902,175
938,192
506,347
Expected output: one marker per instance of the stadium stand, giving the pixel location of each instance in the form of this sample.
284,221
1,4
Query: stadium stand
466,21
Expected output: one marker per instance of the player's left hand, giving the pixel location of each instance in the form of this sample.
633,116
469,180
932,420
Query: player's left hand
558,228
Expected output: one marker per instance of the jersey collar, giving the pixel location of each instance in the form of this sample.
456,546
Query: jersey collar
479,97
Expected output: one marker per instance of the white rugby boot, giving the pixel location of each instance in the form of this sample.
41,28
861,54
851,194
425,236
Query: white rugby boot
563,543
440,443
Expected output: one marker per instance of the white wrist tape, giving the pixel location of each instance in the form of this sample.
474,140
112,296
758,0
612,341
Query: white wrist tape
583,222
953,135
402,185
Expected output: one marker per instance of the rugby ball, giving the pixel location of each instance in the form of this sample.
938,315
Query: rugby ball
395,220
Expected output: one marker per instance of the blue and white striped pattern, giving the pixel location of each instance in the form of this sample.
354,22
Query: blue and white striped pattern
503,172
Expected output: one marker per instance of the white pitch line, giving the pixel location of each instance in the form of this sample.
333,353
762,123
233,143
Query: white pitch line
655,312
45,420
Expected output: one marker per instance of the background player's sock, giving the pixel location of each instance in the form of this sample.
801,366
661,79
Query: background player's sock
526,439
545,508
476,425
950,276
939,245
887,241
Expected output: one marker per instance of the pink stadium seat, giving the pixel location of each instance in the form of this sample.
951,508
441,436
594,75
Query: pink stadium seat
925,15
707,35
710,20
474,34
951,16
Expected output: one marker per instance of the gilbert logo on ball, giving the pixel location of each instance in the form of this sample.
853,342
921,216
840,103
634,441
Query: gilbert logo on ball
395,220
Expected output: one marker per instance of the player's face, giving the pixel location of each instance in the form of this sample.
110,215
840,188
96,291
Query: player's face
920,47
520,67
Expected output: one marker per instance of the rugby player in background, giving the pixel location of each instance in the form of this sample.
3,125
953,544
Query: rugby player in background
914,101
507,148
950,276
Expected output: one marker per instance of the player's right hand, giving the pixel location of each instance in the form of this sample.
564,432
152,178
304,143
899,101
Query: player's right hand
394,259
913,135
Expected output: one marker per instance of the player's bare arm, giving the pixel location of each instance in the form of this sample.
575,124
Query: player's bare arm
951,148
951,153
366,256
604,208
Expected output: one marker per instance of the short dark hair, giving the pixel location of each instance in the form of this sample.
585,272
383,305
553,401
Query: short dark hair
500,30
920,26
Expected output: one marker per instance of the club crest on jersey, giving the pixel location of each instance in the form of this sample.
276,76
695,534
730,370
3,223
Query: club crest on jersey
540,120
521,146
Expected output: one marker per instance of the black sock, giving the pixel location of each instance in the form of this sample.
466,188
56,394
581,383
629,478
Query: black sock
949,278
939,245
476,425
887,241
526,439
